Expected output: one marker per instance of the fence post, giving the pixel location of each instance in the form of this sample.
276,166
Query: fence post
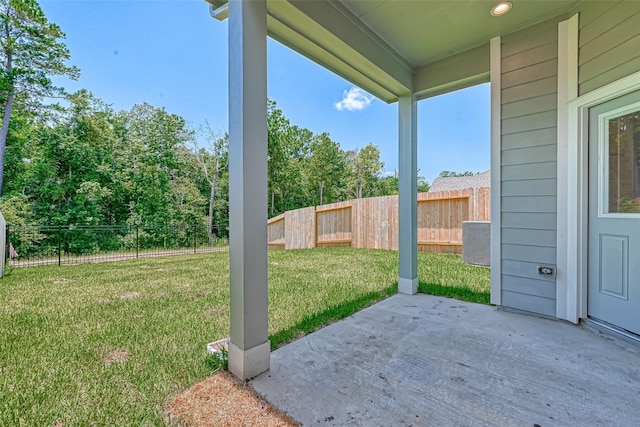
4,243
59,243
137,246
7,251
195,229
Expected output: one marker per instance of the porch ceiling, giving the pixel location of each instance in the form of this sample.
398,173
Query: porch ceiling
426,31
393,47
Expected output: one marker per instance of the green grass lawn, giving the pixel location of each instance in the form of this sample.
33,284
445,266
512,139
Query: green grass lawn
108,344
446,275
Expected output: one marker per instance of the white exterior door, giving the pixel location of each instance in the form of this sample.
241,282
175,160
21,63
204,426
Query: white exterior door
614,212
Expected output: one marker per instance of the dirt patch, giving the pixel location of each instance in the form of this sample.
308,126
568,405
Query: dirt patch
130,295
111,356
223,400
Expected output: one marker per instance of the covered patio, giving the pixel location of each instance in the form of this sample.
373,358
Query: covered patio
561,74
432,361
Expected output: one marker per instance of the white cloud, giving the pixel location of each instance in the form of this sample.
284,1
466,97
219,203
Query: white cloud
354,99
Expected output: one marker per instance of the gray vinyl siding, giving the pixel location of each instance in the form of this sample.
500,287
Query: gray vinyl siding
532,303
529,78
609,43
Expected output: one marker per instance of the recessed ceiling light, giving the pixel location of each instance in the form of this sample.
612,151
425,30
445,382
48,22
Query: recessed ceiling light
501,8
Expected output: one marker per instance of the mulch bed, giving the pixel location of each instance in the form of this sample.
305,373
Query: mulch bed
223,400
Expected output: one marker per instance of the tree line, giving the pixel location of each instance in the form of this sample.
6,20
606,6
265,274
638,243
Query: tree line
91,165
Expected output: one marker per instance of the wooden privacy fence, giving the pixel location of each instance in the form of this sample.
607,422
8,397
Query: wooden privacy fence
373,222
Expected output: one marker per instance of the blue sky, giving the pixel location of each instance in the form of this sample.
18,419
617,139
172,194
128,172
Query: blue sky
172,54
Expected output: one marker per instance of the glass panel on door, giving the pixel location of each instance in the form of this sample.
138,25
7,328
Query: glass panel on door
623,163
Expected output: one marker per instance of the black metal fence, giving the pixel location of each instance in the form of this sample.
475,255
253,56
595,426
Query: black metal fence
63,245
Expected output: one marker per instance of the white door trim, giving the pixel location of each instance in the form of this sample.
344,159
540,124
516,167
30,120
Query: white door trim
567,91
577,191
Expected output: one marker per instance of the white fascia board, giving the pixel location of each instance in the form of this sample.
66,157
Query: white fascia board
326,59
331,26
332,36
219,9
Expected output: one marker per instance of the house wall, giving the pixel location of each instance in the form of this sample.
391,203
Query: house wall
529,67
609,43
609,49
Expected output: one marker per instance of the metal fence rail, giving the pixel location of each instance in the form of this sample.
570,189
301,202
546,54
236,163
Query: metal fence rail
64,245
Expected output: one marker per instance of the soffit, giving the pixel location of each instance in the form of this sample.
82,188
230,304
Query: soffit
423,32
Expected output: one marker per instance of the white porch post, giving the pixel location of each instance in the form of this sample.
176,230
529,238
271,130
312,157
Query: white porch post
249,347
496,170
408,194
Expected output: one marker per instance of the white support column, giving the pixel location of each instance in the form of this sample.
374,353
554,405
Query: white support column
408,194
496,171
249,347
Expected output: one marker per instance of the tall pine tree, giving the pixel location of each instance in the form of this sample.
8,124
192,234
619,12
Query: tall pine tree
30,53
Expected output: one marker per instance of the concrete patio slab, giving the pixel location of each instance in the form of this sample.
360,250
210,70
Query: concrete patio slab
431,361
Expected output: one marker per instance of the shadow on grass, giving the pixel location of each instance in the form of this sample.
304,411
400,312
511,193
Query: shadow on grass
457,292
337,312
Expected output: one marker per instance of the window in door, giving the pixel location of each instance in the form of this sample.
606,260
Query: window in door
622,161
